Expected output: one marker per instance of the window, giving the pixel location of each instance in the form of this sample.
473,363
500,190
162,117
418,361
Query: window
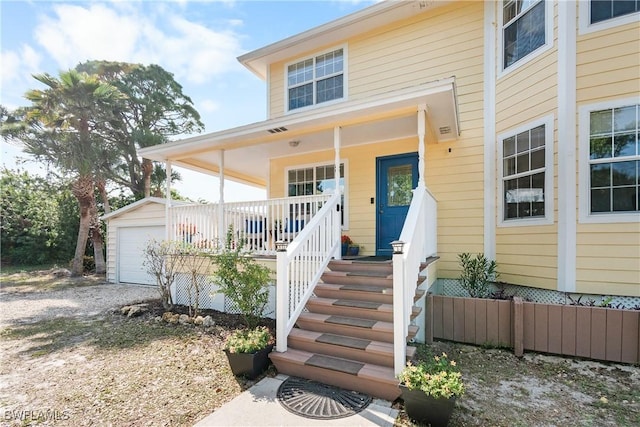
314,180
316,80
526,178
614,160
523,29
602,10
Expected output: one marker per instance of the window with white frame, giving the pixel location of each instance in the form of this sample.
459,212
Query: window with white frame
603,10
314,180
526,174
316,80
523,29
614,160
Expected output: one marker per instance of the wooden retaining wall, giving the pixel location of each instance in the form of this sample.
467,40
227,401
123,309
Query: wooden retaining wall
591,332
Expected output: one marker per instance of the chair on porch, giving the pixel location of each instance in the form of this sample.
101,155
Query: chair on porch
255,233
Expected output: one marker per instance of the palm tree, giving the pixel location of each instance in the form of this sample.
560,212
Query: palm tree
68,117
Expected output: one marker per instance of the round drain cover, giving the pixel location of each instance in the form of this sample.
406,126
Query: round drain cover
311,399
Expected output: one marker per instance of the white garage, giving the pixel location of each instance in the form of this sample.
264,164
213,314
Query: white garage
129,229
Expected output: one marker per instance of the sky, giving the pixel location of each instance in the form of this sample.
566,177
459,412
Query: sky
197,41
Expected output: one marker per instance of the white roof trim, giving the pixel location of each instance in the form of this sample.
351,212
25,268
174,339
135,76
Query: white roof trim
137,204
334,113
335,31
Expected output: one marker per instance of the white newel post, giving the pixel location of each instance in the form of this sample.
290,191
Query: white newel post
282,296
336,175
399,315
167,206
421,148
222,230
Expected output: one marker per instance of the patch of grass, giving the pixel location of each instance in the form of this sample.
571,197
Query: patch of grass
114,332
6,270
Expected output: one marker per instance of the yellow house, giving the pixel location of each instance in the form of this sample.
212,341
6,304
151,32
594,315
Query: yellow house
508,128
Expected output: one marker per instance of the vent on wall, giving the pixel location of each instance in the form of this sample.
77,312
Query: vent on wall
445,130
278,130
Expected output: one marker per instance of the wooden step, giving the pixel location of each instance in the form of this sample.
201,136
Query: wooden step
355,308
359,292
348,278
375,380
362,350
351,326
361,266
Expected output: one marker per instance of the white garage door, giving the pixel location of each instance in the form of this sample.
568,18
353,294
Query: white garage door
131,244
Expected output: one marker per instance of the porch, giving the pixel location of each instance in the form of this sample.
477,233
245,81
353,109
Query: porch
324,304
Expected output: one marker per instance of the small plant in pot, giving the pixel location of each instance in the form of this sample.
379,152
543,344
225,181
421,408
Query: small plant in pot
248,351
430,388
346,242
245,283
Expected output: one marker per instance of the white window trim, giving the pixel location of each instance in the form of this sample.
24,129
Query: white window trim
548,122
548,40
345,86
345,162
584,19
584,187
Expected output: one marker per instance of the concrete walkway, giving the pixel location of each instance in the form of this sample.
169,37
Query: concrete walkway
259,406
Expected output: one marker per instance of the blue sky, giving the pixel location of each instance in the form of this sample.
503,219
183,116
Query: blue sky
197,41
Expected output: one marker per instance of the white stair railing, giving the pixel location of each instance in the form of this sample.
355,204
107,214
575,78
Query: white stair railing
301,264
419,238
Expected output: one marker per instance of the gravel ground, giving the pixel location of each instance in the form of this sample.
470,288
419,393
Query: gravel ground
26,298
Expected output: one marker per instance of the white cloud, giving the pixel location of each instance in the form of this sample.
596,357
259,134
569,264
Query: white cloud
128,33
17,68
208,106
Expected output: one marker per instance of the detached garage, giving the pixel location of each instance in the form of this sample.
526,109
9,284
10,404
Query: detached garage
129,229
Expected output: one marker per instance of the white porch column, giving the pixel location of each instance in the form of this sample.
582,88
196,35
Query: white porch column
336,174
222,229
422,109
167,206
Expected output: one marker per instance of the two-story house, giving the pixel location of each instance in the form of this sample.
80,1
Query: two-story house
509,128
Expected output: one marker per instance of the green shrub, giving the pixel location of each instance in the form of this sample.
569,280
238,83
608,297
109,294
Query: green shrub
477,274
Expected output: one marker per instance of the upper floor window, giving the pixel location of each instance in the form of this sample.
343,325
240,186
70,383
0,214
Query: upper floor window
523,29
526,173
614,160
316,80
602,10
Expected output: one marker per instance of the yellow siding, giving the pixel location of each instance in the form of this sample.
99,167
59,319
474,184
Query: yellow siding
527,255
608,68
146,215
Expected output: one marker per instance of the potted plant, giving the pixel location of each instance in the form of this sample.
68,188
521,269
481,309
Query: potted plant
430,388
245,283
247,351
346,241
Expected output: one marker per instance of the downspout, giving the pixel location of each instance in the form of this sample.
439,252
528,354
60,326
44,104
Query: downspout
336,175
222,229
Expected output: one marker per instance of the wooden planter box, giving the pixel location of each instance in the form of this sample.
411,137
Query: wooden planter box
591,332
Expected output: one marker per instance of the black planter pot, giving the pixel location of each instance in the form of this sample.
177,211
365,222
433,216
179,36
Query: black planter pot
426,409
249,364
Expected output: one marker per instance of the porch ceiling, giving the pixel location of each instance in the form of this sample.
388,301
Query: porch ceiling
247,149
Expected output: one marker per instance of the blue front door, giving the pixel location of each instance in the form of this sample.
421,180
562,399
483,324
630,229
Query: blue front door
396,177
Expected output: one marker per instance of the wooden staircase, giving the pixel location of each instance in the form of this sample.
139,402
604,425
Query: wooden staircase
345,338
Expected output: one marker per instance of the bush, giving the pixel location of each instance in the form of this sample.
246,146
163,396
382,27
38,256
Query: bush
241,279
477,274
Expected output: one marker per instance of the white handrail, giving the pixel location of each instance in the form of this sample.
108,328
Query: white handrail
300,267
419,237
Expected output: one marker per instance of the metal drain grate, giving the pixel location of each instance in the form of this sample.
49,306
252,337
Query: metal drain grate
319,401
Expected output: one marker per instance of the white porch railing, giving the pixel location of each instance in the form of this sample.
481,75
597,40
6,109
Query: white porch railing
419,236
300,267
261,222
